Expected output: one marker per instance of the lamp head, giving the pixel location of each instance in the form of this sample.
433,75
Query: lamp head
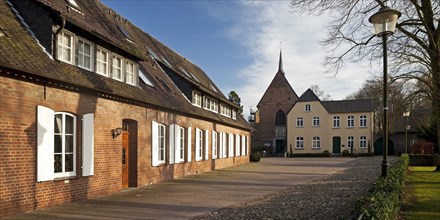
384,21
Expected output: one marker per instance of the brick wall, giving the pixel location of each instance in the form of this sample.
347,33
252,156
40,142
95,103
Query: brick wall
19,190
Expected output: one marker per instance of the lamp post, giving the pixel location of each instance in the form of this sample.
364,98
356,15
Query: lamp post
406,115
384,22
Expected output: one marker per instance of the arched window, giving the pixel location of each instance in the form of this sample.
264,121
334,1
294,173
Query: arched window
280,118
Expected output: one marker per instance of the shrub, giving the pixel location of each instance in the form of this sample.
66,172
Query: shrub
383,198
345,153
422,148
255,157
326,153
422,160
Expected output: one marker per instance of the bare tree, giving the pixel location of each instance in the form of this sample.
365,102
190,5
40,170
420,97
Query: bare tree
414,50
321,94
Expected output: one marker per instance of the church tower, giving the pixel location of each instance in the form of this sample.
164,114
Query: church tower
270,118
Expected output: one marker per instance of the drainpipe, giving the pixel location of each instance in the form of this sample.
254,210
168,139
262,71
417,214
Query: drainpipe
55,38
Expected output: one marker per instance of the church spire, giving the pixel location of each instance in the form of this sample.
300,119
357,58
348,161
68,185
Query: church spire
280,67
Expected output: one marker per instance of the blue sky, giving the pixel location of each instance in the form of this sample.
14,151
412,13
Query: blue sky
237,43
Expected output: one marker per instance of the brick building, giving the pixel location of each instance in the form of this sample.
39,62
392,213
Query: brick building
270,118
90,104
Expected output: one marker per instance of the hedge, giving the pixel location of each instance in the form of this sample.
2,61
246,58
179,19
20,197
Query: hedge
423,160
383,199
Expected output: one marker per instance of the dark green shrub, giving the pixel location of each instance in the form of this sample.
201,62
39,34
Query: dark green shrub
326,153
382,201
345,153
422,160
255,157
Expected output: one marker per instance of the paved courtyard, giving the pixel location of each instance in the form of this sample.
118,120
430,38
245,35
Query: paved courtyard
223,194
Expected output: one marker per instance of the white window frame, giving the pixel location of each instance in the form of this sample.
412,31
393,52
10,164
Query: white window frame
99,62
225,110
316,142
130,71
336,122
81,55
234,114
363,142
210,104
62,47
299,144
363,121
197,99
350,141
181,145
199,144
161,157
315,121
63,153
350,121
307,108
115,68
300,122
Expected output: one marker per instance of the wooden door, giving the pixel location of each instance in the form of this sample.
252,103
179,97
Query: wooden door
125,157
336,145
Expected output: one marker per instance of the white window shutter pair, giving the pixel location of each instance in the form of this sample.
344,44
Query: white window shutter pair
45,144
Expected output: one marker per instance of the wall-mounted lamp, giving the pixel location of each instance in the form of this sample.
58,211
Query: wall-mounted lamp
116,132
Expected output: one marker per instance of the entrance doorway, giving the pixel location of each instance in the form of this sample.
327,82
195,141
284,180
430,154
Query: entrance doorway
336,145
129,153
279,146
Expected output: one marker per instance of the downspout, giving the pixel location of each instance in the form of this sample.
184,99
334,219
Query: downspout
55,38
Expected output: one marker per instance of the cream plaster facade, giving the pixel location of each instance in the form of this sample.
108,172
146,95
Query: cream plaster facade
318,138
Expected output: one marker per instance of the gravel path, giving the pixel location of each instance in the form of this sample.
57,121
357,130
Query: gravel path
331,197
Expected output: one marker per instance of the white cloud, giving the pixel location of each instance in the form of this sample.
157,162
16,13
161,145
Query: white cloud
260,27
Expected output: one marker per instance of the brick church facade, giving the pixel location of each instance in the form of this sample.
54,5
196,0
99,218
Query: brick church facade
270,118
91,104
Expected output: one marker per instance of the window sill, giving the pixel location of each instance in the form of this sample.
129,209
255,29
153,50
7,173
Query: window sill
299,148
65,178
316,148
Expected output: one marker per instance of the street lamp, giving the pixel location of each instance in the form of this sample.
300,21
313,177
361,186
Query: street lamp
384,22
406,115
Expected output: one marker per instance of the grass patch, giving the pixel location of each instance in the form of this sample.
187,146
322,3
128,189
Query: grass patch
421,169
422,194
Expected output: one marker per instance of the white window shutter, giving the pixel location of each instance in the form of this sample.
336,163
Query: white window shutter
206,144
88,144
224,145
172,143
45,146
189,145
213,143
177,143
231,145
154,143
243,145
237,145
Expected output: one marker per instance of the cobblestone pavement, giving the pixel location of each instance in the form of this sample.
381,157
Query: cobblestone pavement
275,188
329,197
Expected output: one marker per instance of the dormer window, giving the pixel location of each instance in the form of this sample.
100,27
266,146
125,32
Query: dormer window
65,47
210,104
234,114
102,61
85,54
129,73
80,52
117,67
225,110
197,99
